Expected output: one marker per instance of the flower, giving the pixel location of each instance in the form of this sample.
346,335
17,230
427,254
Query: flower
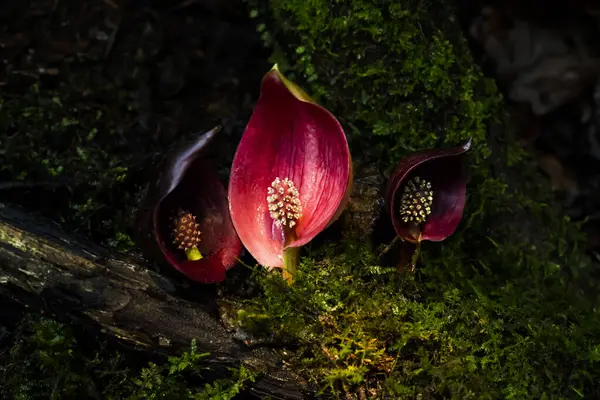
426,194
185,220
291,174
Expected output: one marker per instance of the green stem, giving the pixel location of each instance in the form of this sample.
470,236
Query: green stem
409,256
415,257
291,259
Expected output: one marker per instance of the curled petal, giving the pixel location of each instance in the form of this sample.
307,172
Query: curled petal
443,168
188,182
288,136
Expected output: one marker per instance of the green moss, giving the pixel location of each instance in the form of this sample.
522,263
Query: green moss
501,309
47,362
51,142
399,73
42,364
167,381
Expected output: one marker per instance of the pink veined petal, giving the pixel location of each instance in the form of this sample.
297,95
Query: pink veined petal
286,138
322,172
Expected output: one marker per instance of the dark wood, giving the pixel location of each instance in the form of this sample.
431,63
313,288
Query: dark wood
44,268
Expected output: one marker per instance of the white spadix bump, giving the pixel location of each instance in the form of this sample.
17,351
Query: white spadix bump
284,202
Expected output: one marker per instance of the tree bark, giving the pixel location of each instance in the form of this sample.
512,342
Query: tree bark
42,267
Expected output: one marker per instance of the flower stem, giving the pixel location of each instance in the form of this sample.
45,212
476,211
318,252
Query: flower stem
415,257
409,256
291,259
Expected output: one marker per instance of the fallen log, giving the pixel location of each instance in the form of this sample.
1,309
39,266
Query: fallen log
42,267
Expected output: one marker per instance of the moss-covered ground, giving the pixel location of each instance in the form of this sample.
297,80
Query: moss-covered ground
504,308
46,361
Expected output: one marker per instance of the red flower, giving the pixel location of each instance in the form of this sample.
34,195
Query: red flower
186,221
426,194
291,174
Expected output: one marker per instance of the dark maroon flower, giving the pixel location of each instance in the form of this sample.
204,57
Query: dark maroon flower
185,218
426,194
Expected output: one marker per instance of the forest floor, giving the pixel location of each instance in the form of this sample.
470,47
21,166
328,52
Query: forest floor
127,79
92,95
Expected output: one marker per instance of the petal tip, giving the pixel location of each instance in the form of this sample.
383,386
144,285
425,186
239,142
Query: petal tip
292,87
210,135
468,144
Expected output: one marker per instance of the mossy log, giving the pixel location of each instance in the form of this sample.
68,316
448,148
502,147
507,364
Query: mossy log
45,268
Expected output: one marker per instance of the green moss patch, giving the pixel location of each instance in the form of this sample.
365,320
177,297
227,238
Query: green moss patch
504,308
46,361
